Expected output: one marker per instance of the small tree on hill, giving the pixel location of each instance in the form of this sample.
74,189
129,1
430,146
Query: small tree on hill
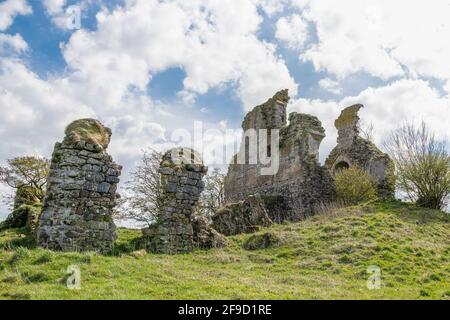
422,165
213,196
140,203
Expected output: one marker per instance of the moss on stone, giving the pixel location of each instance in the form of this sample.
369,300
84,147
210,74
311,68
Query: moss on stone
88,130
348,116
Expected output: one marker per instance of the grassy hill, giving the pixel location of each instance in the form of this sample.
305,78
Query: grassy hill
323,257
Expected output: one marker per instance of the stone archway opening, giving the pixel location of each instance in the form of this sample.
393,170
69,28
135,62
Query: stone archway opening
342,165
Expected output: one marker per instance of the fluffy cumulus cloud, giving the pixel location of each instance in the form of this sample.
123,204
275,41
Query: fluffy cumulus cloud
292,30
330,85
384,38
386,108
214,45
12,44
9,9
64,16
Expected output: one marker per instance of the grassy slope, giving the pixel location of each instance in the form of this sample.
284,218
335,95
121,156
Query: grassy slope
322,257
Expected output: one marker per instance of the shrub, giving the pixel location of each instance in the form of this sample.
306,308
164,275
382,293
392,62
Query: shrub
422,164
354,185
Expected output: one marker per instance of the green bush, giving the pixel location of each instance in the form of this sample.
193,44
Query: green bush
354,185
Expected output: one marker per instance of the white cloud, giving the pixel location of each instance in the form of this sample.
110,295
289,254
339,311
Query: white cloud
65,17
271,7
447,87
214,45
54,6
386,107
9,9
380,37
292,30
12,44
330,85
32,111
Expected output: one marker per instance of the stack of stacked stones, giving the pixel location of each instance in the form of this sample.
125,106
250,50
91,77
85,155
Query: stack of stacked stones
81,194
182,171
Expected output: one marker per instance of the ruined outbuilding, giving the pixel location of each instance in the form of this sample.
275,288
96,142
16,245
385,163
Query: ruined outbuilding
353,150
81,192
176,230
300,183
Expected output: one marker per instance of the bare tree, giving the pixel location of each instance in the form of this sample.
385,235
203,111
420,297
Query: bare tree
213,196
367,131
28,176
141,199
422,165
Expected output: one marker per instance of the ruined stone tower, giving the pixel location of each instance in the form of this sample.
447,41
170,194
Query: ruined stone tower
81,194
300,183
182,171
353,150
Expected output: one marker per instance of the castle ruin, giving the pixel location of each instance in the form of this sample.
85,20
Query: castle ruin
301,183
353,150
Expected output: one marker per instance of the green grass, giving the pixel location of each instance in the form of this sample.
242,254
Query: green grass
323,257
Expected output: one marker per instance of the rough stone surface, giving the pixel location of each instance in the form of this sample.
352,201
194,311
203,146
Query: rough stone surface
353,150
181,172
301,183
205,236
81,192
244,216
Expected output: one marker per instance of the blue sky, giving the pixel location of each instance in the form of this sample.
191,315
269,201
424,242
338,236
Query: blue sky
147,68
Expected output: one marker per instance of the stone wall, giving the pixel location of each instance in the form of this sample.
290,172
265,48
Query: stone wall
353,150
181,183
81,192
301,183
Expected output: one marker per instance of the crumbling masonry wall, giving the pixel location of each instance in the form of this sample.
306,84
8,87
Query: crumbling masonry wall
301,183
181,172
353,150
81,194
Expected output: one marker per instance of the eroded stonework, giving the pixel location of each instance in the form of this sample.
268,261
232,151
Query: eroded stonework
353,150
81,192
245,216
301,183
182,171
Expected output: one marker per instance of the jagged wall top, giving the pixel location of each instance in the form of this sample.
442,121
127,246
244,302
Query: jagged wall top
269,115
348,124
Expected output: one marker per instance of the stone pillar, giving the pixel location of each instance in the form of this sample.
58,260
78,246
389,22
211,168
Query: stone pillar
182,172
347,125
81,193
